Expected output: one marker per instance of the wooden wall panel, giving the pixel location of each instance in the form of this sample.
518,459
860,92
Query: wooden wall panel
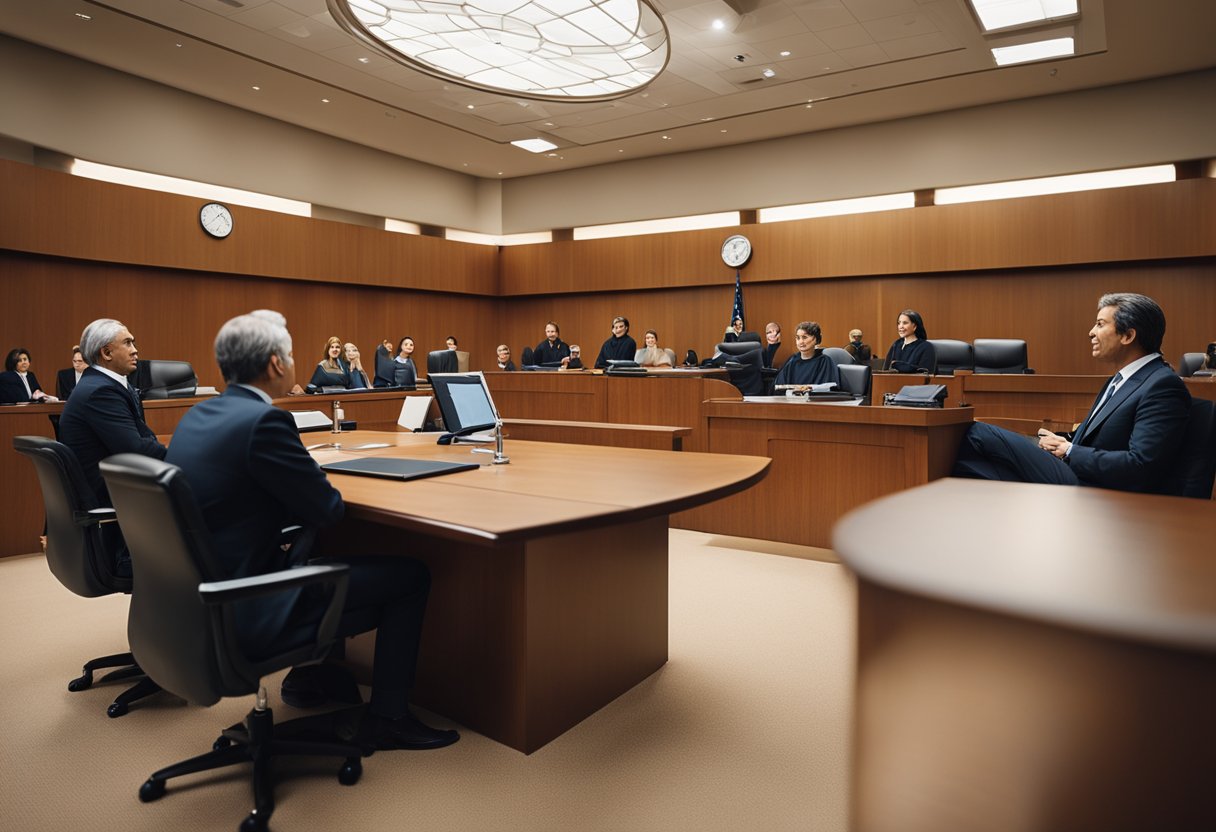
1149,222
54,213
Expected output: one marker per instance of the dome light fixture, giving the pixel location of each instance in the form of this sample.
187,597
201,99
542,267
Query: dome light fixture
548,50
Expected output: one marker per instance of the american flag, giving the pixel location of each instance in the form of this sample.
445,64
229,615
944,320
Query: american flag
737,310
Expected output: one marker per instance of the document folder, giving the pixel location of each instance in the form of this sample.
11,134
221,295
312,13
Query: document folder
396,468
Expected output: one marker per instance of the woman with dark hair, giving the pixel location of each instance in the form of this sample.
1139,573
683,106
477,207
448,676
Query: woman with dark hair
652,355
911,352
331,370
620,347
808,367
17,384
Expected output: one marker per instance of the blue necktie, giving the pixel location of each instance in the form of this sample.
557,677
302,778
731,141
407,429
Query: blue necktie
1110,392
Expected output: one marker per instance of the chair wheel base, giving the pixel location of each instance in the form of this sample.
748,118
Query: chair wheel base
116,710
152,790
254,823
350,772
81,683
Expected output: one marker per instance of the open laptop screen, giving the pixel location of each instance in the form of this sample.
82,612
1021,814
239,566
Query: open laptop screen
464,402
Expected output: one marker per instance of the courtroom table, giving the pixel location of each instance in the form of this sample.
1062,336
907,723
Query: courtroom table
661,397
653,437
1202,387
549,594
826,460
22,498
1033,657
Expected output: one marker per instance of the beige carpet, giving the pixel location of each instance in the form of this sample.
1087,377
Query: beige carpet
745,728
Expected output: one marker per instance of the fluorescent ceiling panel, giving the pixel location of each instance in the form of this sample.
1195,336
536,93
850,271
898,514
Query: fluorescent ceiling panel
1057,184
1001,14
1039,50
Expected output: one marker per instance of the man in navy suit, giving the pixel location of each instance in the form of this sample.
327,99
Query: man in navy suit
1133,434
252,477
68,378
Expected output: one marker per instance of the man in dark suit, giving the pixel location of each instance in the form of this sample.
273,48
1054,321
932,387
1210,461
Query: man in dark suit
252,477
68,378
1133,434
552,351
104,416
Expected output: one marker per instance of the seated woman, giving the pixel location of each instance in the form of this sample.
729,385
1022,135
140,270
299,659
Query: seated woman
620,347
331,371
808,367
17,384
354,363
652,355
504,359
399,370
911,351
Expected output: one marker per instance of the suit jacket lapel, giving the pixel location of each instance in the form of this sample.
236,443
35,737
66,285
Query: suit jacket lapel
1121,395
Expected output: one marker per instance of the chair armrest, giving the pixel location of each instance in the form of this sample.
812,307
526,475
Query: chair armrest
94,516
239,589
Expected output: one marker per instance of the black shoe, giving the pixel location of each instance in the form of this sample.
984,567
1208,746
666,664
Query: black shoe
314,685
408,733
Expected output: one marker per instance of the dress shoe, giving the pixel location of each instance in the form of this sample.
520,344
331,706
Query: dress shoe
315,685
407,732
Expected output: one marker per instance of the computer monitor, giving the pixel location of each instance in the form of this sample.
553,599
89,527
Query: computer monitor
464,402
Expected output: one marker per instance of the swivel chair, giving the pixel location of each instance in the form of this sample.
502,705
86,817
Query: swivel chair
162,379
743,365
81,543
182,628
1001,355
855,379
442,361
1191,361
953,355
839,355
526,358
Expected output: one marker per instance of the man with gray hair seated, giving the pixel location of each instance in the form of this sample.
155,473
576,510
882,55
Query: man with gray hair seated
252,477
104,416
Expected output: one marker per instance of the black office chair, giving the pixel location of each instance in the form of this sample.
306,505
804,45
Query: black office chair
839,355
1001,356
1191,361
442,361
748,335
80,546
855,379
526,358
743,365
953,355
1197,459
163,379
182,629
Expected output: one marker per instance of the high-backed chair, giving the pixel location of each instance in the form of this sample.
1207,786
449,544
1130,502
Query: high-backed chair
1191,361
1197,459
182,627
839,355
526,358
442,361
953,355
1001,355
81,542
743,365
855,379
749,335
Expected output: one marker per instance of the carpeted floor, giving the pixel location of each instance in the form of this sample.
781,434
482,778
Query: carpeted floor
745,728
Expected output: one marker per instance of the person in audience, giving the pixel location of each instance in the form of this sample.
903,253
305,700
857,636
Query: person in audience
857,349
504,358
1132,438
251,476
67,379
619,347
911,351
733,331
354,365
772,338
574,361
452,342
18,384
652,355
552,351
808,367
398,370
331,370
104,417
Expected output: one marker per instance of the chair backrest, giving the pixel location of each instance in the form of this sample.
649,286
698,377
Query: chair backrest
744,369
839,355
1191,361
671,355
442,361
462,361
157,378
749,335
734,348
1197,459
690,358
525,357
953,355
1000,355
855,379
79,554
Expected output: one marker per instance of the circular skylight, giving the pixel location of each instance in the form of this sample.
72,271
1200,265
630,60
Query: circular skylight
545,49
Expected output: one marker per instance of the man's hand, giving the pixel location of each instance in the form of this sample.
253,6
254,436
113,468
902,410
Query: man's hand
1053,443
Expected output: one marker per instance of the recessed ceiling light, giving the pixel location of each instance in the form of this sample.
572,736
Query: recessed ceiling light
620,150
500,173
785,53
534,145
552,155
364,60
768,73
723,130
256,87
707,118
548,124
324,100
83,16
1000,14
1037,51
468,106
719,24
178,45
667,138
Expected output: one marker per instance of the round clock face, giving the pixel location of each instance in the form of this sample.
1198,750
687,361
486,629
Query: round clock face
216,219
736,250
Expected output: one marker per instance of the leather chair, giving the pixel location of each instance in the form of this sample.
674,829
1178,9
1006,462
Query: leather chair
442,361
80,546
1197,459
526,358
749,335
1191,361
855,379
839,355
953,355
183,631
743,365
1001,355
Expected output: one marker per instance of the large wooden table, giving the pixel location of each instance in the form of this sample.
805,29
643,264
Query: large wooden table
1033,657
826,460
549,594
